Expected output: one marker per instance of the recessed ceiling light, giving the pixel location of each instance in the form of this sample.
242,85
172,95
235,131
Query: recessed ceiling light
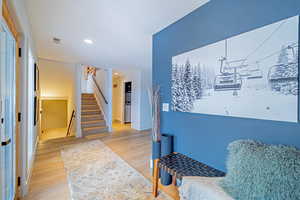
116,74
88,41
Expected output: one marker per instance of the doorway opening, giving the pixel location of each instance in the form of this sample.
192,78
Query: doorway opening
121,102
54,119
127,110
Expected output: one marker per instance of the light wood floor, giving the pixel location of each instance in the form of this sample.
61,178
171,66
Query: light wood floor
49,179
53,133
118,126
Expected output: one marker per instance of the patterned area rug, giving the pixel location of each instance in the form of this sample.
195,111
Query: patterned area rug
95,172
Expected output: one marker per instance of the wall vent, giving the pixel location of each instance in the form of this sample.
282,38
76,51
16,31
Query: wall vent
56,40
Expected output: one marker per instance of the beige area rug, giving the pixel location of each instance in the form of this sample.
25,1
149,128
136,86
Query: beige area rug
95,172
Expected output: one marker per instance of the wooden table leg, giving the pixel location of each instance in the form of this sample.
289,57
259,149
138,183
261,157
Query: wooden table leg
155,178
174,180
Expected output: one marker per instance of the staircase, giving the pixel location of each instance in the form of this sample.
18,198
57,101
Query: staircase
92,120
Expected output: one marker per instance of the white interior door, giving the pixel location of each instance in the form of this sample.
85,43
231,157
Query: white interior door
7,114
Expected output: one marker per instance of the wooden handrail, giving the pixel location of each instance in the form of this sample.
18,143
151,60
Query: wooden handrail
70,123
100,91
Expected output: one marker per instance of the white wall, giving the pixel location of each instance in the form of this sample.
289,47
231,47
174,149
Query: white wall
83,81
102,78
57,81
146,84
20,16
118,99
77,97
104,81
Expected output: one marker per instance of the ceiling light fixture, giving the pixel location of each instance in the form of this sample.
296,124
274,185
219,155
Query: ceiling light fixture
88,41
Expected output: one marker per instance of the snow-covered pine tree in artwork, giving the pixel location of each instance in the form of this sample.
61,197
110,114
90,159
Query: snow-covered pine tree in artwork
197,82
176,93
186,87
189,95
284,79
177,88
208,76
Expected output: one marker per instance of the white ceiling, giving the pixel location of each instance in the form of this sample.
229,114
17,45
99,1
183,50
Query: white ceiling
121,30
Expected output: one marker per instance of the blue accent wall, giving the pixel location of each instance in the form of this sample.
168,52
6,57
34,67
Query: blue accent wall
205,137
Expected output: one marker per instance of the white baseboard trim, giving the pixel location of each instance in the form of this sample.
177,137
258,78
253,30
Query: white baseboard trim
25,181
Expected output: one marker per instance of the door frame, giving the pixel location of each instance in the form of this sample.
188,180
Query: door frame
15,138
6,17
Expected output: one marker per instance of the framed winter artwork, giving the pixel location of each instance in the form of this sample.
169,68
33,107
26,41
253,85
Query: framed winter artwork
252,75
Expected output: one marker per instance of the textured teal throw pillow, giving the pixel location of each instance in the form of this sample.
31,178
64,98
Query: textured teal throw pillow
257,171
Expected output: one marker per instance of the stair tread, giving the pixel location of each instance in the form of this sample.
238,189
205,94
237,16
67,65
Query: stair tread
94,128
92,121
94,103
93,115
90,110
88,99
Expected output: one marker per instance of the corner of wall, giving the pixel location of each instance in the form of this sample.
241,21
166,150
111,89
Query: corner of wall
78,73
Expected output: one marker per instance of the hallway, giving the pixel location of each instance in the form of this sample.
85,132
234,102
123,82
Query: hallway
118,126
49,179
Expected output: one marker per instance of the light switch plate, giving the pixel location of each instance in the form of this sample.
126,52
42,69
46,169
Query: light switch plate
165,107
151,164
